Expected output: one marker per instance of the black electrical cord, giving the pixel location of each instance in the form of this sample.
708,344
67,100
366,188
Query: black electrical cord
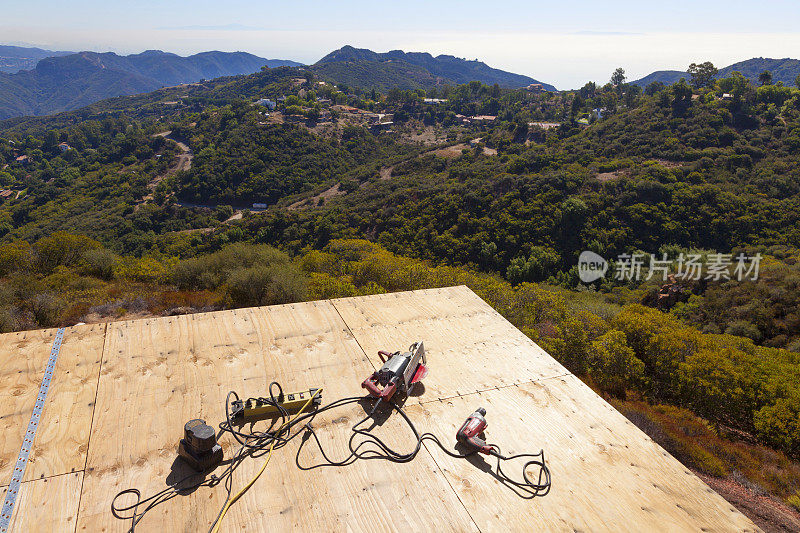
170,492
256,443
540,487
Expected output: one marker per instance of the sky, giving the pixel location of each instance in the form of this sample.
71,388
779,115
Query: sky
562,43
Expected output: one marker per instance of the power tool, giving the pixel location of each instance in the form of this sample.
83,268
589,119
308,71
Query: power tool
471,428
199,447
400,371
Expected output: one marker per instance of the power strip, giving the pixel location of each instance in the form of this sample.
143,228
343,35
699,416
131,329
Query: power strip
259,407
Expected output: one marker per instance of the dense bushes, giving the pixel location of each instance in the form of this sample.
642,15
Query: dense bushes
724,378
250,275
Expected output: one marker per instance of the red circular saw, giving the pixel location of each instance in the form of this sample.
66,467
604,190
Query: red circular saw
400,371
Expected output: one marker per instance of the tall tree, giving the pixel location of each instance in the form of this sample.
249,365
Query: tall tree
577,105
618,77
765,78
702,74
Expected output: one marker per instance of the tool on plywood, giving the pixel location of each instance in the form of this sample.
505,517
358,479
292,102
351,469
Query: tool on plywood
401,371
199,447
261,407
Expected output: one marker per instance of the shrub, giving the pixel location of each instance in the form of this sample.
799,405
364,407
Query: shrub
275,283
794,500
779,424
213,270
743,328
46,309
613,364
100,263
145,269
14,256
323,286
61,249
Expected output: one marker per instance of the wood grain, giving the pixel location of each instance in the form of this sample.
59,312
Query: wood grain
62,438
468,345
606,474
63,434
150,376
49,504
23,357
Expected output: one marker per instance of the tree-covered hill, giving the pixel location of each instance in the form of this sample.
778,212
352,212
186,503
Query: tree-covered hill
73,81
411,70
784,70
500,189
16,58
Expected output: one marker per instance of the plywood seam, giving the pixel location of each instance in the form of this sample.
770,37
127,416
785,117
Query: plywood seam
499,387
350,331
438,468
51,476
91,423
449,484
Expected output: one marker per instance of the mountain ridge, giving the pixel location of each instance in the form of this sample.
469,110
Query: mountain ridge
71,81
784,70
16,58
413,70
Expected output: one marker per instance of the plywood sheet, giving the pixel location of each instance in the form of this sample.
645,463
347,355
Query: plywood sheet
156,374
469,346
606,474
63,433
62,438
23,357
368,495
49,504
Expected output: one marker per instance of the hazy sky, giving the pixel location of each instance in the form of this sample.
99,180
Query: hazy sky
563,43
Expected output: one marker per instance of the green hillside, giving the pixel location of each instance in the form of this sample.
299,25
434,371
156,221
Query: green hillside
73,81
413,70
785,71
501,189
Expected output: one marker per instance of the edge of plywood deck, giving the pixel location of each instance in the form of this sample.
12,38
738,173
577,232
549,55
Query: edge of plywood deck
179,368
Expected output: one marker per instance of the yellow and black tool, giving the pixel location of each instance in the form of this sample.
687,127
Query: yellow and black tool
265,407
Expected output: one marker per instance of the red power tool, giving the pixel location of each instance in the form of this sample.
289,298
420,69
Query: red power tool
468,434
399,371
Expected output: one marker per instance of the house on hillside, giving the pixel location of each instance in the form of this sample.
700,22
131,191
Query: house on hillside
434,100
6,194
543,125
266,102
382,127
535,88
22,160
64,147
483,119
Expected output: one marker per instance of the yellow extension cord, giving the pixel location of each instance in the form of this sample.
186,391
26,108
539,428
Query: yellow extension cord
239,494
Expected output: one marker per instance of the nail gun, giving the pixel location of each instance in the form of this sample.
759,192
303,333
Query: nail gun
400,371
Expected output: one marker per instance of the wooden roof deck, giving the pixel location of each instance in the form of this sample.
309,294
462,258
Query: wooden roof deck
122,391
